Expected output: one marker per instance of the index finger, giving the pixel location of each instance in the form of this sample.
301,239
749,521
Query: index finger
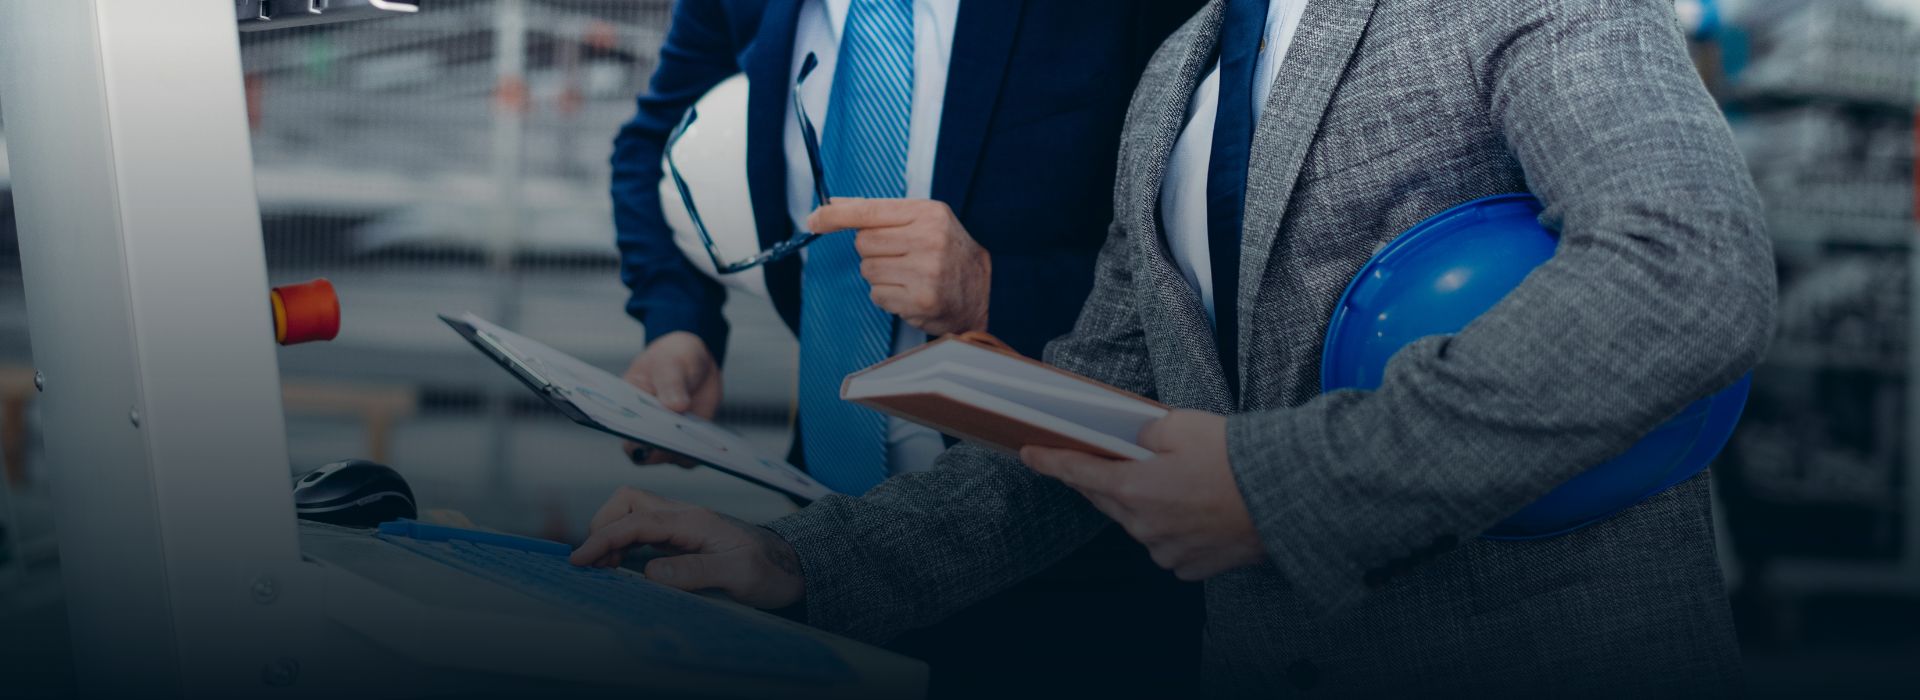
882,242
855,213
637,528
624,501
1078,469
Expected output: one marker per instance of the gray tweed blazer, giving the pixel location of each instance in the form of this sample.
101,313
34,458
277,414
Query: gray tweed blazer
1369,503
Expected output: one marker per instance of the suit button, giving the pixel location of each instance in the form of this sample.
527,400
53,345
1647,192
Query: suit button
1303,674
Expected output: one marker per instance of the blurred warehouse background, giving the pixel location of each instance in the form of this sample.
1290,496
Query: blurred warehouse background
457,162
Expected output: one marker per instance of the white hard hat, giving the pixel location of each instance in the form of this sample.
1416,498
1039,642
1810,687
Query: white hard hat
712,158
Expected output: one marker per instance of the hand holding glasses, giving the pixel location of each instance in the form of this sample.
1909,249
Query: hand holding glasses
785,248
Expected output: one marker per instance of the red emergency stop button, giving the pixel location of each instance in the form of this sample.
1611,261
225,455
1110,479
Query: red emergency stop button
305,312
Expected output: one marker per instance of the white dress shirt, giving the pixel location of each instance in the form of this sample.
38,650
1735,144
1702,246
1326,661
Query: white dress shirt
1183,195
910,447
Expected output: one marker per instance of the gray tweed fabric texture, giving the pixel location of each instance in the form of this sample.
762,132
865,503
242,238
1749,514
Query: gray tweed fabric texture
1369,503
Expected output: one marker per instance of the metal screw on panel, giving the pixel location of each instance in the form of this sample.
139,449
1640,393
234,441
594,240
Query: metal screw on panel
281,673
39,382
133,416
265,590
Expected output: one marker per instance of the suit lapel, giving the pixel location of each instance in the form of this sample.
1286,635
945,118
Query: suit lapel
1169,117
1170,308
768,62
982,48
1329,33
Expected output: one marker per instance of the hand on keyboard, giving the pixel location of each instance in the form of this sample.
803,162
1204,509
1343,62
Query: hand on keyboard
706,550
658,623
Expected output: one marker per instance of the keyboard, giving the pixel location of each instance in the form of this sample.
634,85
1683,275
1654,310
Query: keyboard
661,623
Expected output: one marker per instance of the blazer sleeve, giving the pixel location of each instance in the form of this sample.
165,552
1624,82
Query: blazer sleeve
667,293
922,546
1662,292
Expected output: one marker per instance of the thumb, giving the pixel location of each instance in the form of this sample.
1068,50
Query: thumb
670,386
694,572
1160,435
639,379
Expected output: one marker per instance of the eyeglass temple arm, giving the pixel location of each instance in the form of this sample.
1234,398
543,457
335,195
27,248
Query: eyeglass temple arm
680,183
808,134
778,251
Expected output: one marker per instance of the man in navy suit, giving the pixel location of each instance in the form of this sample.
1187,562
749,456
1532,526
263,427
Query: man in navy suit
971,150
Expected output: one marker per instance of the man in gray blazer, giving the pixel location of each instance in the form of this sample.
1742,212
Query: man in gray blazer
1337,534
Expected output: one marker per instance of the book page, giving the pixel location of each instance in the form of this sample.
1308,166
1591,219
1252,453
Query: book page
1039,389
1028,416
1100,411
997,364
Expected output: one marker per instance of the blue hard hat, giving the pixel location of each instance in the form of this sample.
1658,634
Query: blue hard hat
1439,276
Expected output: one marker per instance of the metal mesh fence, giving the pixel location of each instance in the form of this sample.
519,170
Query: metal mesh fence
428,142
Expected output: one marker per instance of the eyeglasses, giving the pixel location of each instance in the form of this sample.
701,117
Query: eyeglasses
808,134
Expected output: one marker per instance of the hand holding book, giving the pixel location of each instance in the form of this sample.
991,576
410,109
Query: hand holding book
1162,474
1183,503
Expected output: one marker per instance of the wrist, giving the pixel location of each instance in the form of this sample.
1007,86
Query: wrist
788,579
984,304
682,342
786,561
708,326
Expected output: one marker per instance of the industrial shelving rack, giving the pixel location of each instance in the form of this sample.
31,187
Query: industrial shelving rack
1820,484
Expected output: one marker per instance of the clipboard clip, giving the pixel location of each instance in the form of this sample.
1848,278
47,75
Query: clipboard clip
519,366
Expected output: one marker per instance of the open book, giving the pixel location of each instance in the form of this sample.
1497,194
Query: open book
972,386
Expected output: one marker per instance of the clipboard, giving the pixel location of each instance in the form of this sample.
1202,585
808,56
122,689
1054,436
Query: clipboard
596,399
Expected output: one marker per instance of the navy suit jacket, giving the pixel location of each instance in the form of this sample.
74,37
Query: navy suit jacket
1036,93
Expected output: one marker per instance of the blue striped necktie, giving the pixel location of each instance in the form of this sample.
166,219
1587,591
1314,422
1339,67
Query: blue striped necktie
841,331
